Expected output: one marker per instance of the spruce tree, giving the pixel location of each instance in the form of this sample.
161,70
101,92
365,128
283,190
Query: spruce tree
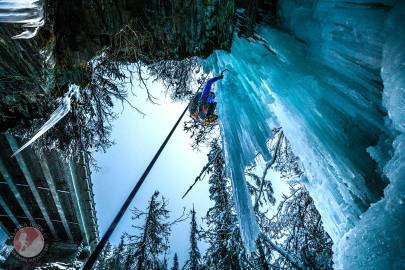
164,264
225,251
194,256
153,241
129,258
175,262
102,262
116,261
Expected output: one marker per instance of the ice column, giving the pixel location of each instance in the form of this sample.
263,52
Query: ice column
245,129
61,111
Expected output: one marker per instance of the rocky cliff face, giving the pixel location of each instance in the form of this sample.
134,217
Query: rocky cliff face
24,77
33,72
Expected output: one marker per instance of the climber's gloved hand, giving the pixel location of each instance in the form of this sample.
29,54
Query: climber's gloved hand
222,73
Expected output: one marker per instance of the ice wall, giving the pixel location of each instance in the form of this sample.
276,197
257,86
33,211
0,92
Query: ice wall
318,76
378,240
322,123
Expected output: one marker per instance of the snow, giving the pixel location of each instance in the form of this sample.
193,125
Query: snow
61,266
5,251
30,13
328,77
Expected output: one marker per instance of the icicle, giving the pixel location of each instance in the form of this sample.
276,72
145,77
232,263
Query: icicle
29,33
30,13
60,112
245,129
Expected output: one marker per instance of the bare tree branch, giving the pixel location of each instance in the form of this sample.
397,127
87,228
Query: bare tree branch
204,169
268,165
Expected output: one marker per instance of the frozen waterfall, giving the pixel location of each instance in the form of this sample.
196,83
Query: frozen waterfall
333,77
378,240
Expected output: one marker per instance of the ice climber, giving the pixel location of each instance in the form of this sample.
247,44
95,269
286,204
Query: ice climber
203,104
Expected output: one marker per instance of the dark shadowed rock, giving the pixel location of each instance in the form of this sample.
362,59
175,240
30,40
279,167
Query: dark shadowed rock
34,72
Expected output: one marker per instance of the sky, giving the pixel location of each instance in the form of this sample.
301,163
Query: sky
137,138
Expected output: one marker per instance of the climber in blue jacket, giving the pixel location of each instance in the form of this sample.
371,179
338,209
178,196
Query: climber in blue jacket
206,94
203,106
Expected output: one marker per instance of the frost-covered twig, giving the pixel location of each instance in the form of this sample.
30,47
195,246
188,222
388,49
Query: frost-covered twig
268,165
181,218
284,253
199,177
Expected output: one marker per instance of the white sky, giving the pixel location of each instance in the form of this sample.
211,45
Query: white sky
137,139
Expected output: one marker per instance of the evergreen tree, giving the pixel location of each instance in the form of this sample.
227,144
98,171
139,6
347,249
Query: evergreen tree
194,259
116,261
175,262
163,264
225,251
102,262
129,258
295,232
149,246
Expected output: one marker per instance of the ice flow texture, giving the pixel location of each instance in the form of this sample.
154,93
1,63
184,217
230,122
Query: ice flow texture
321,78
30,13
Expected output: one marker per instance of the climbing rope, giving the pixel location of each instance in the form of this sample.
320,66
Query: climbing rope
96,252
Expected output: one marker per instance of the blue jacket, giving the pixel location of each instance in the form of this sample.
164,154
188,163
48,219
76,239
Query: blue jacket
207,89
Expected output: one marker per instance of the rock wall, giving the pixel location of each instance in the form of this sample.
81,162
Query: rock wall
34,72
